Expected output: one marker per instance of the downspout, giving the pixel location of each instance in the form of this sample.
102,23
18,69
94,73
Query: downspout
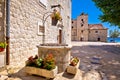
8,32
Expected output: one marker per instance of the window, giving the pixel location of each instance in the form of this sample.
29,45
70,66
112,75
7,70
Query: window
81,31
81,39
43,3
40,28
82,20
72,21
96,31
81,25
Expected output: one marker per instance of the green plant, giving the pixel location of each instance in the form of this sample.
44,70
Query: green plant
49,62
56,15
74,61
39,62
3,44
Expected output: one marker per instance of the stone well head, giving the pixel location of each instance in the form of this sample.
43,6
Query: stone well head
61,52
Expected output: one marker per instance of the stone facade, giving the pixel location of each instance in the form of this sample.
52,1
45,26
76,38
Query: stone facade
61,54
24,34
82,31
97,33
2,30
2,20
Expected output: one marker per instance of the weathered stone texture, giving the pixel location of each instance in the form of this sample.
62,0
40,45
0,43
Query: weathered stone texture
92,75
82,31
2,18
66,17
2,31
61,54
74,30
25,15
102,34
80,27
24,38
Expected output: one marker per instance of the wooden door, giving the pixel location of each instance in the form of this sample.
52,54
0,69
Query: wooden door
60,36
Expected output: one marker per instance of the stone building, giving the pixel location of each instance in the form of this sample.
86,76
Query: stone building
30,25
82,31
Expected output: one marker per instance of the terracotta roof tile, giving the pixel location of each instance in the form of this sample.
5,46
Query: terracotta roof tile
96,26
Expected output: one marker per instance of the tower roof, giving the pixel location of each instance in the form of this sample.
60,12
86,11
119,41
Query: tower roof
96,26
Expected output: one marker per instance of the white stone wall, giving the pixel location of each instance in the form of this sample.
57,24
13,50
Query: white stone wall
66,17
2,19
24,18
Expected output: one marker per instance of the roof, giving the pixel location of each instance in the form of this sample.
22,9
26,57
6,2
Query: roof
96,26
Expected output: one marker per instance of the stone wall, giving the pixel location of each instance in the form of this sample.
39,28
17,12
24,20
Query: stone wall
61,54
66,18
85,32
82,26
2,31
74,30
2,20
24,36
101,34
24,18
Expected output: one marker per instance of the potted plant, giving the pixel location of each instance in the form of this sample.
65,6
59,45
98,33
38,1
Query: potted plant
49,62
55,17
2,46
73,66
41,66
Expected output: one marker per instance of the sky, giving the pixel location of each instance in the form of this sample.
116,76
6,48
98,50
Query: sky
89,7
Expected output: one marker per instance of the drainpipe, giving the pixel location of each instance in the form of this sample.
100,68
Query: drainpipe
8,32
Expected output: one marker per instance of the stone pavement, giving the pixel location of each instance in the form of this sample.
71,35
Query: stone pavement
103,57
98,62
19,74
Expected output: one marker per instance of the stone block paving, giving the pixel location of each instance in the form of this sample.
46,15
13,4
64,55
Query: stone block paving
98,62
105,58
19,74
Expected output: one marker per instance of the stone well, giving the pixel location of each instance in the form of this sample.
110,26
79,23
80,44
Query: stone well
61,52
